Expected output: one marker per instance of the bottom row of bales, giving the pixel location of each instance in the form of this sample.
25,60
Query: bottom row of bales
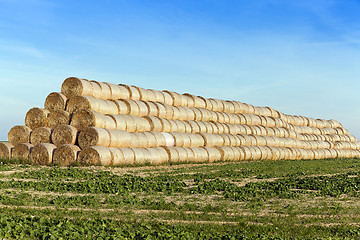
67,154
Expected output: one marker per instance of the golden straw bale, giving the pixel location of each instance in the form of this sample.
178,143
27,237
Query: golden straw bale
117,92
122,107
42,153
37,117
73,86
66,155
129,157
155,123
141,156
82,102
152,109
169,139
183,154
22,151
167,98
5,150
196,140
143,108
214,154
96,90
105,90
140,140
173,154
160,139
58,117
64,134
96,155
158,155
88,118
41,135
200,154
19,134
132,106
134,93
94,136
55,101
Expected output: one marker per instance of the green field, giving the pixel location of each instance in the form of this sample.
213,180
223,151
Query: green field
314,199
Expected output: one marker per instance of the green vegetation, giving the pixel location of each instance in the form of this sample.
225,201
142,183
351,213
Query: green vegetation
313,199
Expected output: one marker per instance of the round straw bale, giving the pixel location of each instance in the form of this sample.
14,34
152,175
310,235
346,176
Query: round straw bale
194,126
158,155
176,99
142,125
105,90
132,123
58,117
173,155
19,134
159,96
125,91
197,114
22,151
142,157
183,113
161,110
120,121
82,102
169,139
202,127
36,117
160,139
66,155
143,108
42,153
94,136
5,150
132,106
152,109
200,154
169,111
196,140
139,140
212,140
64,134
146,95
73,86
173,126
152,141
186,101
187,127
214,154
167,98
96,90
155,123
190,155
129,156
183,154
117,92
55,101
177,114
96,155
41,135
118,157
134,92
122,107
88,118
209,127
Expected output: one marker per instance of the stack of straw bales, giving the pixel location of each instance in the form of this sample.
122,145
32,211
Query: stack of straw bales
91,122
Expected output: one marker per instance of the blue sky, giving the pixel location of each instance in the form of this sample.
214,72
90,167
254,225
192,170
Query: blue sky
299,57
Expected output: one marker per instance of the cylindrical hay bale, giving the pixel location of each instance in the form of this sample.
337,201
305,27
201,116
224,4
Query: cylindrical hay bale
167,98
180,126
334,124
173,155
208,104
176,99
94,136
188,100
212,140
177,113
226,139
155,123
146,95
132,106
5,150
161,110
196,140
183,114
120,121
200,154
190,155
55,101
159,96
96,155
141,156
133,92
209,127
169,139
66,155
214,154
202,127
88,118
227,153
117,92
42,153
123,108
197,114
109,122
105,90
21,151
158,155
41,135
143,108
36,117
152,109
173,126
142,140
160,139
73,86
194,126
247,152
64,134
183,154
127,156
181,139
19,134
218,103
77,103
187,127
151,140
58,117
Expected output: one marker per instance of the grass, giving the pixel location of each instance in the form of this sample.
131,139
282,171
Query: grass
311,199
